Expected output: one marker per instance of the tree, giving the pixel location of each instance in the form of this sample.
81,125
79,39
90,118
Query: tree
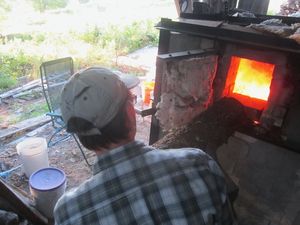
291,6
42,5
4,8
4,5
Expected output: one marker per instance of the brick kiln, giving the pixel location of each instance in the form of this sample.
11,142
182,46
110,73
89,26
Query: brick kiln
200,62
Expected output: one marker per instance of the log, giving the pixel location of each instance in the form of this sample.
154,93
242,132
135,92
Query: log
28,86
28,92
20,128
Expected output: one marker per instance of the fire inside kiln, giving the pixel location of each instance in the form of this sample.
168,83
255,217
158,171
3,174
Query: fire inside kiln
249,82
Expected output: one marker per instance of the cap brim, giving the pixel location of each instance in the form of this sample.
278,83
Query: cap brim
129,80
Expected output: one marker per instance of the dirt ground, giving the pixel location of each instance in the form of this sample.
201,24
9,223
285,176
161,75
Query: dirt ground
64,155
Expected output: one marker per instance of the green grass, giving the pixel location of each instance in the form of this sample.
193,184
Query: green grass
6,82
33,110
16,65
27,111
2,119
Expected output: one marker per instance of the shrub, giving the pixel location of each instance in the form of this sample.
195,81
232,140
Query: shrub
22,37
6,82
42,5
39,38
15,66
96,46
123,40
91,36
4,8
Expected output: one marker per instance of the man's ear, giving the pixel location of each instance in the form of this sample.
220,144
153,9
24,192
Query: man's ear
131,118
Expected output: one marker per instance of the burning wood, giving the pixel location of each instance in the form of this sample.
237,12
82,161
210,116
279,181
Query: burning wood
252,91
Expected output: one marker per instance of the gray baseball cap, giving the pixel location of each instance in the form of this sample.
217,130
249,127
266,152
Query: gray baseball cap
95,94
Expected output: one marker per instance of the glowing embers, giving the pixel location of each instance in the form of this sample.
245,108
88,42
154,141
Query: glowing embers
249,81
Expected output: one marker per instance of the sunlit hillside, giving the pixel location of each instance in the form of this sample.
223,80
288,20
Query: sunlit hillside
78,16
90,31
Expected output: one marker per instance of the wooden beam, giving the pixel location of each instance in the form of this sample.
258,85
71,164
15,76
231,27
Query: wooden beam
22,127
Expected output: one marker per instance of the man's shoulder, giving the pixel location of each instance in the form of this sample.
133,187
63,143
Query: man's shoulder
187,158
180,153
71,196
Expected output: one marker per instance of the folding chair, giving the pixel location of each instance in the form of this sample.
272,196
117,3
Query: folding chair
54,74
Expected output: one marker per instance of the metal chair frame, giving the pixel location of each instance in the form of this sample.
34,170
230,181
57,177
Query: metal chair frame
54,74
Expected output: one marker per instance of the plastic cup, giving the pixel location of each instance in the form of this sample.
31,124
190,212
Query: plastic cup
33,153
47,185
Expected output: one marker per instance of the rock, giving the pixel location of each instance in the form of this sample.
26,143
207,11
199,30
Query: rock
8,218
4,126
72,160
74,152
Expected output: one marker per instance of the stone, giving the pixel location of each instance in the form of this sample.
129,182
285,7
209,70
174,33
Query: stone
8,218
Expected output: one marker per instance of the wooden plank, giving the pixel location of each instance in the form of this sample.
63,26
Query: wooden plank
28,86
225,33
23,127
28,92
188,54
208,23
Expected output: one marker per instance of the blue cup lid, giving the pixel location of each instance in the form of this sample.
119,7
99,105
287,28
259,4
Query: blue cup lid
47,179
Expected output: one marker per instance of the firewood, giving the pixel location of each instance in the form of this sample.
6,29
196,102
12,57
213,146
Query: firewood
19,129
28,86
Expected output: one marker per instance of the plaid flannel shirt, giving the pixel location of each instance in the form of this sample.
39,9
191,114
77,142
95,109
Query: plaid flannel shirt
137,184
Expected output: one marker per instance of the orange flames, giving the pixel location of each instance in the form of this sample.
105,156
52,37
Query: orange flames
253,79
250,81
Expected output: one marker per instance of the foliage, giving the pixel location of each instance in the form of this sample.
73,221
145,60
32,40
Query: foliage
96,46
4,7
91,36
291,6
123,40
15,66
6,82
22,37
42,5
127,39
39,38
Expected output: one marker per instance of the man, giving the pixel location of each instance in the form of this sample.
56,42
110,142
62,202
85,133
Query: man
133,183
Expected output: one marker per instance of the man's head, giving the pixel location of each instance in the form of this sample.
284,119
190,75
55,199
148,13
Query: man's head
96,105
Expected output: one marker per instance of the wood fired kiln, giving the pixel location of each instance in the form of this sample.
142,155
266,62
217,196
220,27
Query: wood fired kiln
201,61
